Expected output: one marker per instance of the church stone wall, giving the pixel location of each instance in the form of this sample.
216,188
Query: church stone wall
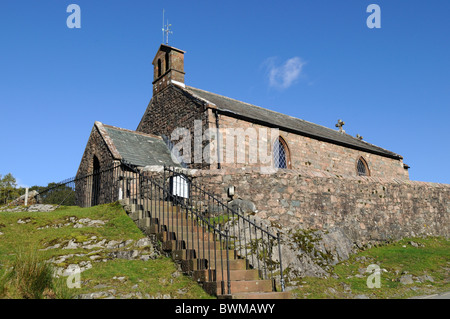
365,209
313,154
171,109
98,189
96,146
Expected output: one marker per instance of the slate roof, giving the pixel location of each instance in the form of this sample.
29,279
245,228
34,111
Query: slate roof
274,119
138,148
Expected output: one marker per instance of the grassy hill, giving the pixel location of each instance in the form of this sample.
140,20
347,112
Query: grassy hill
116,258
118,261
407,268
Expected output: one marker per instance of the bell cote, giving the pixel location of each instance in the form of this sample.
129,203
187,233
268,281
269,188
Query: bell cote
168,67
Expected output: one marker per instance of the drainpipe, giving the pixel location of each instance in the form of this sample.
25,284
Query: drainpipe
218,140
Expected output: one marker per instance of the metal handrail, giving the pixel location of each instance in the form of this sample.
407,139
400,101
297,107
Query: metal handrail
145,191
124,180
264,234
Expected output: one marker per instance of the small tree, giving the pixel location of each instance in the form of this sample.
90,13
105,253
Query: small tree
8,188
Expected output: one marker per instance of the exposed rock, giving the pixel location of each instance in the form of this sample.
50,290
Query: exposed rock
21,199
305,252
71,245
41,208
425,278
242,205
32,208
110,294
143,242
86,222
112,244
406,280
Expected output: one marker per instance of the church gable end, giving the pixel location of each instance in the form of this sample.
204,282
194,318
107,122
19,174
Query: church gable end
97,148
172,109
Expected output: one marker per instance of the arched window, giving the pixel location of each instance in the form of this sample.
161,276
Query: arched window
167,62
159,67
362,169
281,156
96,182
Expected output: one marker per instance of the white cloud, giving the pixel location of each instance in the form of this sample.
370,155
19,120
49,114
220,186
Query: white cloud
284,75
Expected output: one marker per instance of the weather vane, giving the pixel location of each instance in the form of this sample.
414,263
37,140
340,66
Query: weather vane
166,30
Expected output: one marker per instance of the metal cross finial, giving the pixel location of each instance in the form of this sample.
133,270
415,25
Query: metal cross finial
340,124
166,30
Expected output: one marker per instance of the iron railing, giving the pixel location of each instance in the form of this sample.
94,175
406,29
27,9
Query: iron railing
201,245
202,232
98,187
245,237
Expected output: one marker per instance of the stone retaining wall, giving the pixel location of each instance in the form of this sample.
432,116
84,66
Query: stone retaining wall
364,208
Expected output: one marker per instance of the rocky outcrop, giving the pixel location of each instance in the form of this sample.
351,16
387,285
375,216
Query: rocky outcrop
20,201
305,252
95,250
32,208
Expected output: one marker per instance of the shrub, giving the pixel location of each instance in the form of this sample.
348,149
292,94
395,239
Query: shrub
30,276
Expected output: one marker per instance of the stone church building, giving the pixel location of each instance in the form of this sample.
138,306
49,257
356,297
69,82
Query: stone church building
316,178
203,121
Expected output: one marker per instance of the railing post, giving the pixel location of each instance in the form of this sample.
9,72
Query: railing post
281,265
264,252
228,261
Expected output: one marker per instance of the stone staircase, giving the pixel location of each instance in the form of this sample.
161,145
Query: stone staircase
201,253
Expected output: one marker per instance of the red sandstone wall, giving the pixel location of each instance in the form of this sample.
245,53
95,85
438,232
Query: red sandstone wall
95,147
365,208
309,153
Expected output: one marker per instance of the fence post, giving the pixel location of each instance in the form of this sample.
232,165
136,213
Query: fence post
281,265
26,196
228,261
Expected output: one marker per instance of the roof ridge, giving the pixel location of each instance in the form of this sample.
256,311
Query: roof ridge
131,131
296,118
334,135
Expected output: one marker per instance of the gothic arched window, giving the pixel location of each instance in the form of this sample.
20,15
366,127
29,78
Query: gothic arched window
281,158
362,169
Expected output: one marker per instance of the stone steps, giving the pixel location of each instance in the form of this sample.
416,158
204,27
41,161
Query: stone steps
200,264
211,255
219,275
170,245
165,235
239,286
257,295
201,254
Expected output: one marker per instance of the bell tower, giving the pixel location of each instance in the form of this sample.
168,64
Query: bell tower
168,67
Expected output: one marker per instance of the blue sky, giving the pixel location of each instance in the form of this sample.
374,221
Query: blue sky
315,60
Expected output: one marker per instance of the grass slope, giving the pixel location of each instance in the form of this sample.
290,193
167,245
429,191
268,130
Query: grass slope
414,257
24,235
